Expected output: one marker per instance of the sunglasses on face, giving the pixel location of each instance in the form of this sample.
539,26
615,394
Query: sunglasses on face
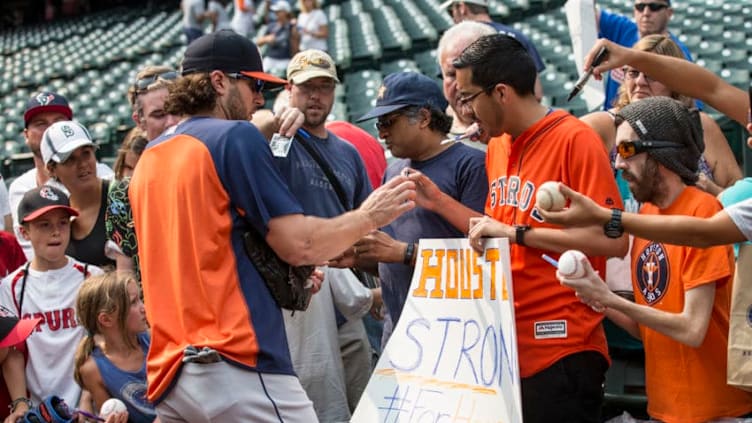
257,85
628,149
386,121
654,7
144,83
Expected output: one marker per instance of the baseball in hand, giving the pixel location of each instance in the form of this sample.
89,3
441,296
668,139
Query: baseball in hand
549,198
570,266
112,406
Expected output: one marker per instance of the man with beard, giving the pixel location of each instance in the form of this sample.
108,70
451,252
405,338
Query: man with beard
682,294
42,110
562,346
217,332
319,357
650,17
411,120
734,223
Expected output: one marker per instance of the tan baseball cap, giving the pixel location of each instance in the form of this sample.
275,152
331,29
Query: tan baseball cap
311,64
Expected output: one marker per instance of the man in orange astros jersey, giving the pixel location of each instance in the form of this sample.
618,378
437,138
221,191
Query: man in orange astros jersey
562,347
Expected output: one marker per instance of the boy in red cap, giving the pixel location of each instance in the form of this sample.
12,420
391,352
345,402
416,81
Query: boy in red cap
45,288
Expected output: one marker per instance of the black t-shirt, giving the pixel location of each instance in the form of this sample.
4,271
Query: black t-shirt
90,249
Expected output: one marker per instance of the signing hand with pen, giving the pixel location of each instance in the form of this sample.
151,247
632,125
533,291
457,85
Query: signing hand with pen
616,57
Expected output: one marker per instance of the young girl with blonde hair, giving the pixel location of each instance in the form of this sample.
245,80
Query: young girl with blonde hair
111,358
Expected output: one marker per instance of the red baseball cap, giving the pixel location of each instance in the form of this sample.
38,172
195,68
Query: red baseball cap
13,330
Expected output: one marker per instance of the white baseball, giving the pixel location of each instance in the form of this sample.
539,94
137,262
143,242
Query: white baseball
112,406
570,266
549,198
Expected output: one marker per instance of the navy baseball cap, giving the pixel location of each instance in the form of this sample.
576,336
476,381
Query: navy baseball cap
403,89
228,52
46,102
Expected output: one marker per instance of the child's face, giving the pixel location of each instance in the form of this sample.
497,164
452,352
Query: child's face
49,234
136,320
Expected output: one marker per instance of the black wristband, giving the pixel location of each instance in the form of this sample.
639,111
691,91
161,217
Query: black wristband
409,254
519,234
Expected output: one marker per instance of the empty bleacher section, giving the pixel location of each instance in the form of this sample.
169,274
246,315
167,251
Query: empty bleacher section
92,59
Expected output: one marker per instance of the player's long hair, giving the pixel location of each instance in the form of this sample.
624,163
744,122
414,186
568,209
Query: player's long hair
106,293
658,44
190,95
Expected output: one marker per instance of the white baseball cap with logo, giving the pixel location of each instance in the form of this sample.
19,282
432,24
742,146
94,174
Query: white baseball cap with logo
62,138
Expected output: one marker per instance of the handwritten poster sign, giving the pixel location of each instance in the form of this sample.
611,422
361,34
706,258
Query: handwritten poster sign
453,354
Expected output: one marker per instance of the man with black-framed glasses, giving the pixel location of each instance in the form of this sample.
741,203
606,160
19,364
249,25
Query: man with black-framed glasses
682,294
650,17
563,354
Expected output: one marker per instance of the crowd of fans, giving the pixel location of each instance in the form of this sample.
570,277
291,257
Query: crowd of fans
134,283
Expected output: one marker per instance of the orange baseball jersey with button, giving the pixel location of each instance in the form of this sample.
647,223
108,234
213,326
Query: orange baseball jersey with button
686,384
551,322
194,194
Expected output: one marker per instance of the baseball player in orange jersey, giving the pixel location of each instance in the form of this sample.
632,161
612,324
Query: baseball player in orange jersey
562,347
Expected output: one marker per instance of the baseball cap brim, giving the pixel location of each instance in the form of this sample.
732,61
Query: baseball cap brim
36,213
19,331
62,155
304,76
54,108
446,4
269,78
381,111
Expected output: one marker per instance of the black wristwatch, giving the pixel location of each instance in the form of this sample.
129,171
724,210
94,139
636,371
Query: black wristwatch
613,228
519,234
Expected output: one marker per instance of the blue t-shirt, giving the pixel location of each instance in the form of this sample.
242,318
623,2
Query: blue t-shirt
129,387
460,172
529,46
309,183
623,31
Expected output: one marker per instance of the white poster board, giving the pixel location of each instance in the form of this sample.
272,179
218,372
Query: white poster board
584,34
453,354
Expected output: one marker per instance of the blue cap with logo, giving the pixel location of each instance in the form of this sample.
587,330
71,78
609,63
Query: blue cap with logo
405,89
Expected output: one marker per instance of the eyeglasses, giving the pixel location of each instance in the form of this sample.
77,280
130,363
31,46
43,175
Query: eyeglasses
628,149
654,7
256,85
465,101
632,74
325,88
144,83
386,121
